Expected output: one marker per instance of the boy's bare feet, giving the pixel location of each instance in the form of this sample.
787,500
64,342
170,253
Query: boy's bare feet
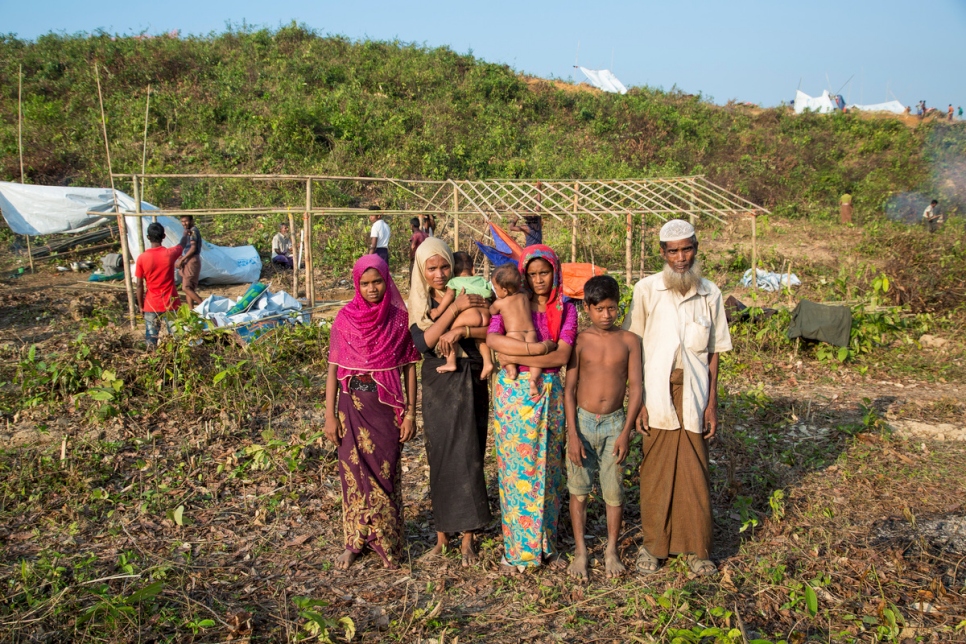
578,567
442,541
470,557
345,560
612,564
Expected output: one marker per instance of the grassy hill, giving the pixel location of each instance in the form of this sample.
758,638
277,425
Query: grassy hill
293,101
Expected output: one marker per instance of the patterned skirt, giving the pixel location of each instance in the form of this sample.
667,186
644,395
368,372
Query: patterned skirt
530,442
371,477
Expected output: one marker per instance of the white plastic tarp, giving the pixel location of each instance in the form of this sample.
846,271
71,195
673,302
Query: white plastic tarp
47,210
822,104
895,107
604,79
215,308
219,264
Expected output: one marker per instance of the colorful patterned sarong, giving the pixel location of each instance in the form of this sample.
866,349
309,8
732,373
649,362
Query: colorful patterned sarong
530,444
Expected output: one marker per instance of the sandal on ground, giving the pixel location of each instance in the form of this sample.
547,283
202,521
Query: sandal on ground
646,562
701,567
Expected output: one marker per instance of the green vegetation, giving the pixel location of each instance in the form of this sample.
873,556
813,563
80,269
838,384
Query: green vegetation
291,101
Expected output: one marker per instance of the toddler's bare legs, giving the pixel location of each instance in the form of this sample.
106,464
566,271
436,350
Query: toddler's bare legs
470,318
535,372
487,359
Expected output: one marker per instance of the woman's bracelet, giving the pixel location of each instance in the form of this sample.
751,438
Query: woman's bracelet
466,331
410,417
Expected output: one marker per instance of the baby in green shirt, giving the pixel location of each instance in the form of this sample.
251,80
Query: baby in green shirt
475,320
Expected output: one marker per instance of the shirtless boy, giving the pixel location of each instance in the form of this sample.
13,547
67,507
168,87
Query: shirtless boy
466,282
605,364
514,306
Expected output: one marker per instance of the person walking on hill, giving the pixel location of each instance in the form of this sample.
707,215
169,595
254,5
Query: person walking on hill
379,235
930,218
959,112
680,318
190,261
950,112
157,294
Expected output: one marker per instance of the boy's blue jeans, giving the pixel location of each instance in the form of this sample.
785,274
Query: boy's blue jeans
152,327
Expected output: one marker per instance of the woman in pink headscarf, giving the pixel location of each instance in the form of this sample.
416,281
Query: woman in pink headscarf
366,412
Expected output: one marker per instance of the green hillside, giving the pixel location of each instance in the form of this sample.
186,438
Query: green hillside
291,100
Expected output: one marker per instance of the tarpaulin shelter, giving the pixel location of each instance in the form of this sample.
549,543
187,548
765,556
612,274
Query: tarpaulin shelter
824,104
47,210
893,107
604,79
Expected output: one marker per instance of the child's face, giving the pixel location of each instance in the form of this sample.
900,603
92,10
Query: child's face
372,287
603,314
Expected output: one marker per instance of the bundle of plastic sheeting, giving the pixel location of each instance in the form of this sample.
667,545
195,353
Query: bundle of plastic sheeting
604,79
217,309
768,281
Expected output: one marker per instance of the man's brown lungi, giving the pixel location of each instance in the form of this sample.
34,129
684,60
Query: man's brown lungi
676,488
190,271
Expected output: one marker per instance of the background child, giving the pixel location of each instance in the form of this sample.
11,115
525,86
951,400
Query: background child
514,306
605,363
466,281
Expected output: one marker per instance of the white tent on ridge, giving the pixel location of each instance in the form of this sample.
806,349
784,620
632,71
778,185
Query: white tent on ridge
894,107
824,104
604,79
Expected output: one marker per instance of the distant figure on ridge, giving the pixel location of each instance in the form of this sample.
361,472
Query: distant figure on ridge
845,209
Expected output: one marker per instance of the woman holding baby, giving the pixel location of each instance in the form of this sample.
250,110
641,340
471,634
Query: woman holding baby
455,402
530,429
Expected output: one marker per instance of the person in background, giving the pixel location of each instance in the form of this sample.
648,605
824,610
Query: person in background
680,318
282,248
950,111
930,218
959,112
157,293
427,224
417,238
531,227
379,235
845,209
190,261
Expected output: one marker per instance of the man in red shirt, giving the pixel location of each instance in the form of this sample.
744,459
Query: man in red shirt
157,293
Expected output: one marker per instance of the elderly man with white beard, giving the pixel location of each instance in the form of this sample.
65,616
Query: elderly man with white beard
680,318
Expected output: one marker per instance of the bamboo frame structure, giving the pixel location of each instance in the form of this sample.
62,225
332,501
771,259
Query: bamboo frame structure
568,201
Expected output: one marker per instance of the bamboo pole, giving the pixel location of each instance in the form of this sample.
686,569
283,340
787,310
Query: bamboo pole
295,255
144,149
30,257
643,242
137,209
754,252
309,259
628,245
121,225
456,219
573,226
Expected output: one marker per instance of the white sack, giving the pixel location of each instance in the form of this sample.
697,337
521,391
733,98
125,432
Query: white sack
823,104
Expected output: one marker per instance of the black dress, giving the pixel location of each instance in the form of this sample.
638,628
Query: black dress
455,410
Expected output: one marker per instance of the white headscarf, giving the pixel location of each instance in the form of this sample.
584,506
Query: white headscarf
420,291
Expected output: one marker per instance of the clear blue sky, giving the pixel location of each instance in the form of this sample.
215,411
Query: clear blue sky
749,50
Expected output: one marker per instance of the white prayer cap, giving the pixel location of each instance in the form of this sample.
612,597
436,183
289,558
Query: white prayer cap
676,230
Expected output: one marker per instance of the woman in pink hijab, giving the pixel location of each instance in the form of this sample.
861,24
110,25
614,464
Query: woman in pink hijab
367,414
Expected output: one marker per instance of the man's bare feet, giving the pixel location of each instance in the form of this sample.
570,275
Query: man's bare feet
345,560
470,557
578,567
612,564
